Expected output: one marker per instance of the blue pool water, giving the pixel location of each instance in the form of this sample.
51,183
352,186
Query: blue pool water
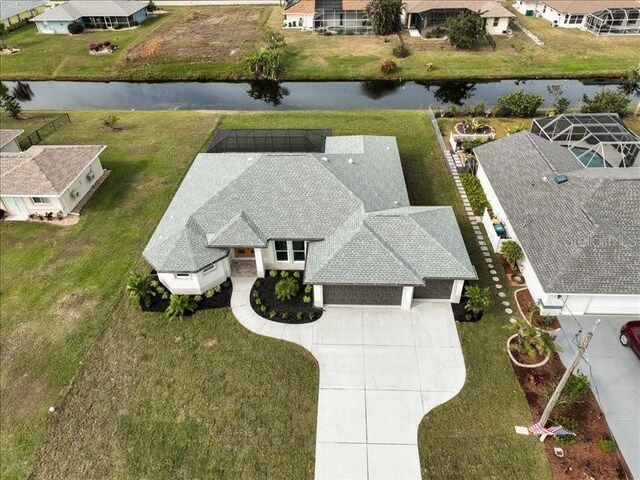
588,159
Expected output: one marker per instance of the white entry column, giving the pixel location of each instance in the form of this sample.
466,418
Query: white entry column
259,262
407,298
318,301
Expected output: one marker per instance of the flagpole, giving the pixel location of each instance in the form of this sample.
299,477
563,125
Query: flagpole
565,378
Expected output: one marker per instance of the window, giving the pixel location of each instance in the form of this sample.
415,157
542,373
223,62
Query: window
182,275
496,21
282,252
40,200
298,251
210,268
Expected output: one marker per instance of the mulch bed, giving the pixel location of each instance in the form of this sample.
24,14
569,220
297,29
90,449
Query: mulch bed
583,459
221,299
513,275
295,310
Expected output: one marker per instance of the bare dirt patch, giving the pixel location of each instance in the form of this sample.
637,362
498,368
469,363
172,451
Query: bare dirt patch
203,33
75,306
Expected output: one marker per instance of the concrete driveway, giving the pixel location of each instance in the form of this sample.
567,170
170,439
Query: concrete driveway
614,376
381,371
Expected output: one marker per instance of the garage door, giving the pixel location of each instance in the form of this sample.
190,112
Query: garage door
361,295
622,305
434,290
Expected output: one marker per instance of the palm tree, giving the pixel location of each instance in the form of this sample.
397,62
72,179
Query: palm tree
179,305
478,299
139,288
630,85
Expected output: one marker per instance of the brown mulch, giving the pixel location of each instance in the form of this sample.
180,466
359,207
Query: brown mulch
584,459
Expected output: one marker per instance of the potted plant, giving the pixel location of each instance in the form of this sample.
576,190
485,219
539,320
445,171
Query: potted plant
478,300
530,342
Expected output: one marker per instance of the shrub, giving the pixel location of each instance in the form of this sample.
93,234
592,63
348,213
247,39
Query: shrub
75,28
574,391
479,298
306,299
198,298
311,315
531,340
284,315
111,122
511,252
140,288
106,43
388,66
477,198
401,51
480,110
284,274
296,274
151,6
258,283
117,26
607,445
518,104
467,145
308,288
272,314
568,424
385,16
606,101
561,105
273,273
263,308
287,288
257,301
217,288
516,129
299,316
180,305
466,30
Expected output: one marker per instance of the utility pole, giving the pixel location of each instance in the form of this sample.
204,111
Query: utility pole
563,381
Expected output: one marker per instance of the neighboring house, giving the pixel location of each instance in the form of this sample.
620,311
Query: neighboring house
9,140
47,178
578,227
13,12
99,14
351,15
600,17
342,216
424,14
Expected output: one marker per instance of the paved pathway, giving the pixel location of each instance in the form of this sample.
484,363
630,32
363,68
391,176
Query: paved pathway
381,371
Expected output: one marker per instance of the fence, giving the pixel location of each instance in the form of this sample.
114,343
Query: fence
491,41
37,136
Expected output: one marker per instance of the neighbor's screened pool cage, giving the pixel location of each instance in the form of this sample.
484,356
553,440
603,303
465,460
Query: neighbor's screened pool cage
614,21
331,17
269,140
595,139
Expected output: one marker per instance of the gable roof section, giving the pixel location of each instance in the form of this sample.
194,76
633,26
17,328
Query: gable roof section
579,235
301,6
75,9
9,8
7,135
44,170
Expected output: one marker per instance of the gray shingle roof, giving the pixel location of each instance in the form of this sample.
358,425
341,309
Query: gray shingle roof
44,170
7,135
9,8
74,10
335,200
579,236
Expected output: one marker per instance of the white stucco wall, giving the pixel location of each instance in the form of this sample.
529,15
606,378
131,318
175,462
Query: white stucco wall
81,184
11,147
53,27
196,283
302,20
500,29
523,6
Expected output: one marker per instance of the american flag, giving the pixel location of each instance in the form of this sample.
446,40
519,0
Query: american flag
537,429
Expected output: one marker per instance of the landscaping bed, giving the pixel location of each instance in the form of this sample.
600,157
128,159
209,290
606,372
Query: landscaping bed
525,301
298,309
585,458
215,297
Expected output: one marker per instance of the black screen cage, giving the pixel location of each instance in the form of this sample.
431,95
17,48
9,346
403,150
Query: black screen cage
614,21
596,140
269,140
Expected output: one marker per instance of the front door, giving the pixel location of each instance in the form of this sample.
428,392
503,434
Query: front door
244,253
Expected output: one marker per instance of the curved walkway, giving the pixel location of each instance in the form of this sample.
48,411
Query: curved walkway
381,371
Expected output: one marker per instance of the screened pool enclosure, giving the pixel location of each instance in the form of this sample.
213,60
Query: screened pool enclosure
596,140
614,21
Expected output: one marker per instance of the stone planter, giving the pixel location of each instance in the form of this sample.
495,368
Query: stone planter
519,364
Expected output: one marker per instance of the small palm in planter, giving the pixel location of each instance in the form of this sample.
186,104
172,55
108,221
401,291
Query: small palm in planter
287,288
529,341
478,300
511,252
180,305
139,288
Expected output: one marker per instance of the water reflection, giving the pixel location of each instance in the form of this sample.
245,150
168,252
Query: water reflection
452,93
22,91
375,90
268,91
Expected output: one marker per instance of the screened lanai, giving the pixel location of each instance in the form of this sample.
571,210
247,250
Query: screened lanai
614,21
595,139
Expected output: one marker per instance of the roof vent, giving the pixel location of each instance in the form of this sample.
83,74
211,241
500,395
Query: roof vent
395,202
325,159
350,160
250,158
560,179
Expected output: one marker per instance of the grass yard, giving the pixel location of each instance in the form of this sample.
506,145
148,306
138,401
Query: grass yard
152,399
204,398
210,43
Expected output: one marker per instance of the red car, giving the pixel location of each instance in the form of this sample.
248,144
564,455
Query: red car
630,336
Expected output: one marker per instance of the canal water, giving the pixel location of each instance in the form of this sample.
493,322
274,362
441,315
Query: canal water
286,95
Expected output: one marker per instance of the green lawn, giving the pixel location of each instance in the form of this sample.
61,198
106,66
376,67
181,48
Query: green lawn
203,398
209,43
